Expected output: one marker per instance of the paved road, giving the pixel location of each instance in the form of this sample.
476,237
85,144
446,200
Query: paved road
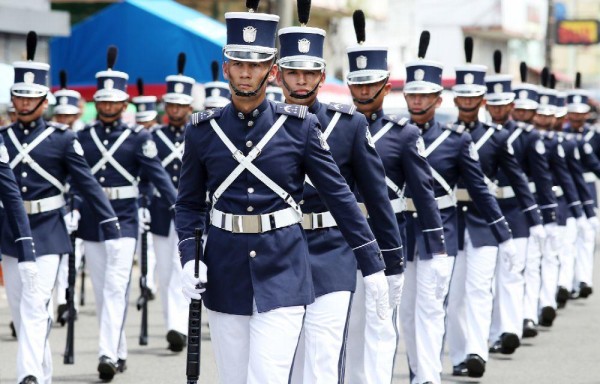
566,353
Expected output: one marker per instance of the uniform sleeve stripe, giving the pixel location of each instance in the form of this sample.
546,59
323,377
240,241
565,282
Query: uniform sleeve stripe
24,238
433,229
184,240
111,219
393,249
365,244
530,208
497,221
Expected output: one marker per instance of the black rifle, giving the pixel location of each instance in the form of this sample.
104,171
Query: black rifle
194,323
82,289
69,357
142,302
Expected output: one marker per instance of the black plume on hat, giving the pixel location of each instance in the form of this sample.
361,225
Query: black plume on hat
140,86
62,75
181,63
31,45
111,57
468,49
214,67
303,11
523,70
552,81
578,80
358,17
252,5
545,77
423,44
497,61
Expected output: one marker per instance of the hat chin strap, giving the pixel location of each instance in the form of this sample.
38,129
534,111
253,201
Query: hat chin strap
108,115
255,92
43,98
424,111
297,95
470,109
372,99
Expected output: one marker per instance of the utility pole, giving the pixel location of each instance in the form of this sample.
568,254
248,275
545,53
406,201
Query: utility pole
550,34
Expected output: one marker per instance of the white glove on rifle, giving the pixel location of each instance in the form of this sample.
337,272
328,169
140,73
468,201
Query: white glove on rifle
376,289
72,221
442,269
192,287
144,219
395,285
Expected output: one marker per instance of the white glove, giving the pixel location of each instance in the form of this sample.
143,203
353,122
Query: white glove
508,252
594,223
584,230
28,270
442,269
190,283
376,289
395,285
113,248
72,221
538,232
553,235
143,219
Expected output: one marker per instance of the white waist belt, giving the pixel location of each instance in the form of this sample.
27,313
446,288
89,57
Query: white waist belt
589,177
44,205
408,203
119,193
500,193
399,204
253,223
558,191
312,221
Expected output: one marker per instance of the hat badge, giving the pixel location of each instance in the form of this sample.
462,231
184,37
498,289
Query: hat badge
215,92
63,100
303,45
141,107
469,79
577,99
361,62
544,99
498,88
109,84
419,75
249,34
523,95
28,77
178,88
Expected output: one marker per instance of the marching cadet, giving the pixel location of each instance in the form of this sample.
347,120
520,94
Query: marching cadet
256,254
371,351
482,262
321,354
169,143
529,151
67,109
43,155
588,142
117,153
566,196
216,93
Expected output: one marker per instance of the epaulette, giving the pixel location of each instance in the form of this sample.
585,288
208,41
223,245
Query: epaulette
59,126
5,127
136,128
456,128
209,114
524,126
399,120
498,127
348,109
299,111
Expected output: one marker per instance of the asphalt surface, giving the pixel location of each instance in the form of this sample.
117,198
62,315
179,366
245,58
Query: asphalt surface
566,353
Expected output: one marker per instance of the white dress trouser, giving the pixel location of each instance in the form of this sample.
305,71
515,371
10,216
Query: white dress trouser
533,282
257,349
422,317
32,316
321,353
174,306
509,289
470,301
584,263
372,342
550,268
62,280
568,254
111,275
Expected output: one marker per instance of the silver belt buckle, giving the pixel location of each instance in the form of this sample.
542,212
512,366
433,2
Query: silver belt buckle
246,224
307,221
27,205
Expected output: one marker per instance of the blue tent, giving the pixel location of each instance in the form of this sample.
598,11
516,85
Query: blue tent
149,34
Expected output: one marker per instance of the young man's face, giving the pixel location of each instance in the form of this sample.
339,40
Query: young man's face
300,82
576,120
66,119
525,115
422,106
468,107
544,122
499,113
109,111
364,92
246,76
177,113
27,109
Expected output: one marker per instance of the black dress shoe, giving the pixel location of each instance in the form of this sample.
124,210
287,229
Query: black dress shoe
475,365
106,368
547,316
584,290
29,380
529,328
496,347
562,295
13,331
509,342
121,365
460,370
177,341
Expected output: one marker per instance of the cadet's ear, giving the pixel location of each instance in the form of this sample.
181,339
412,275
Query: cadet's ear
438,103
273,73
225,67
387,88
